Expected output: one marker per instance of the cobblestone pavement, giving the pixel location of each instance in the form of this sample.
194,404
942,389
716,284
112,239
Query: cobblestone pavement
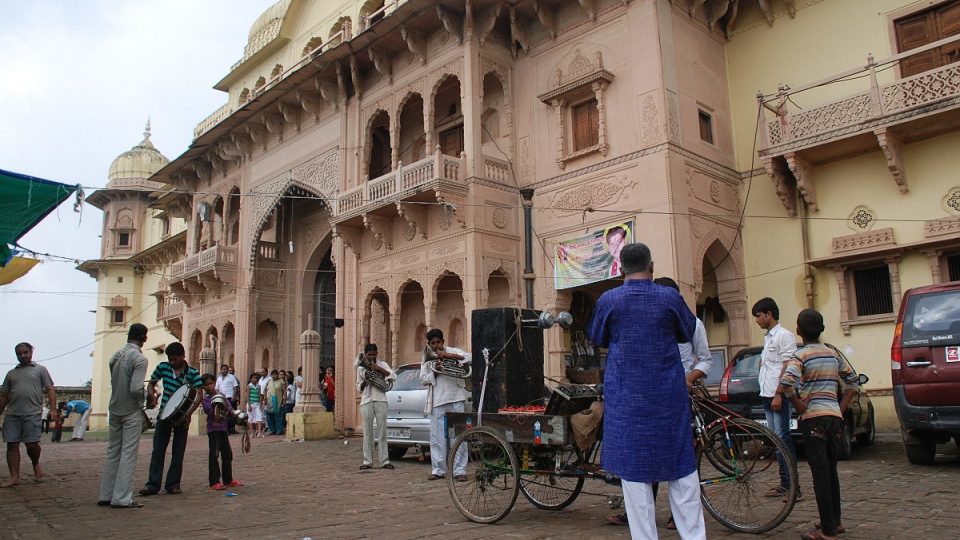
314,489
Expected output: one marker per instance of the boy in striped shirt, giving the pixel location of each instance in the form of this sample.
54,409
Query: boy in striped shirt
818,371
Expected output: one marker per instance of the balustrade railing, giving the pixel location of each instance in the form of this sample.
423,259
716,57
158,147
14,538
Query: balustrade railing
496,169
268,250
172,307
205,261
846,115
406,177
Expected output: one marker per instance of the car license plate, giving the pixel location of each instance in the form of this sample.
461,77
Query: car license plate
793,423
398,433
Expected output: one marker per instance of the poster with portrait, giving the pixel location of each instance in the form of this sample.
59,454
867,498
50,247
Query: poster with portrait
592,257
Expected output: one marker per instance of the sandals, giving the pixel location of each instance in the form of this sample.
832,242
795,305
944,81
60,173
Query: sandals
616,519
388,466
813,535
840,528
461,478
436,477
365,466
133,504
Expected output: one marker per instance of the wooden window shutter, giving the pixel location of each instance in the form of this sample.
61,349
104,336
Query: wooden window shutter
586,125
926,27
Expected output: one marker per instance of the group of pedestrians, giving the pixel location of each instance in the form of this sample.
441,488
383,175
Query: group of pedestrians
656,350
652,342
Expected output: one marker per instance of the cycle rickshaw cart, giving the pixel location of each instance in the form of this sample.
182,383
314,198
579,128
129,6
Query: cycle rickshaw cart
536,454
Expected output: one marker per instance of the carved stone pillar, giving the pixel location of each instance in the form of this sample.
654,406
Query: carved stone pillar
841,274
471,88
933,259
893,266
310,361
208,361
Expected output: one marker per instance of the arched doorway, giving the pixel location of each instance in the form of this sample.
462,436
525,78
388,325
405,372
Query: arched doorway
325,309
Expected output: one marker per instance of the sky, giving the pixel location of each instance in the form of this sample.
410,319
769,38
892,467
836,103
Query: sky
78,81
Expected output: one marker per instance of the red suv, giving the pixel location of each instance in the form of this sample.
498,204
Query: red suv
925,360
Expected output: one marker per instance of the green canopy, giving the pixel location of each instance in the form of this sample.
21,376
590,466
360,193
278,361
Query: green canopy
24,201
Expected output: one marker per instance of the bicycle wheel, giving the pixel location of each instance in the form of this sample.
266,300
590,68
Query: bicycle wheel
550,481
738,468
491,488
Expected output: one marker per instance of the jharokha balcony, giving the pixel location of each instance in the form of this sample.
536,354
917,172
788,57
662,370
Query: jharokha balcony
203,273
881,117
436,178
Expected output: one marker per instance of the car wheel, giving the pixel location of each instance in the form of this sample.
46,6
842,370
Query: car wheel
866,438
396,452
922,452
845,442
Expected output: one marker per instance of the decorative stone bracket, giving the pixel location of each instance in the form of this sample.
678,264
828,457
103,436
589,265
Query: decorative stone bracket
803,172
415,215
486,21
416,43
329,91
452,22
893,151
348,236
452,206
783,182
547,17
310,102
381,62
380,227
518,33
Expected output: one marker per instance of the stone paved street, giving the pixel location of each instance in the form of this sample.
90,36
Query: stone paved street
314,489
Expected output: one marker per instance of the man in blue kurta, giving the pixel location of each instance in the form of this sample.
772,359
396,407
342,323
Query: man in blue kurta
646,426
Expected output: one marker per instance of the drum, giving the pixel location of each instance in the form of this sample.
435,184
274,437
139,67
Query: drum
180,404
220,407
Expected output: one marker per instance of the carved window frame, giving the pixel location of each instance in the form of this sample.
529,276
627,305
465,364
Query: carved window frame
122,312
848,302
590,82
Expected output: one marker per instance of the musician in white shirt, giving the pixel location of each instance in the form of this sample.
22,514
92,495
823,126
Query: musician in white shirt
373,405
445,394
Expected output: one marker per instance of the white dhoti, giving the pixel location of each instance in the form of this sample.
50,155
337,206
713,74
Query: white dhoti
684,503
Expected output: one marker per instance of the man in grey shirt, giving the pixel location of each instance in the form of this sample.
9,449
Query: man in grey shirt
128,370
23,389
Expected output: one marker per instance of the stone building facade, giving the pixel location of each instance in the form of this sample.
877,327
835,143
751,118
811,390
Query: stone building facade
396,165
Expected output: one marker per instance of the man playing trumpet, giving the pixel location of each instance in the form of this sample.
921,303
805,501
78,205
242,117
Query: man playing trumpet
373,404
446,394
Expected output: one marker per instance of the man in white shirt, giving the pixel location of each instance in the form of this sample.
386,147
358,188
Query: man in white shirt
298,384
445,394
228,385
779,344
373,406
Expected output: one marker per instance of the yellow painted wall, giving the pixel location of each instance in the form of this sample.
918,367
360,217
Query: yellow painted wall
825,38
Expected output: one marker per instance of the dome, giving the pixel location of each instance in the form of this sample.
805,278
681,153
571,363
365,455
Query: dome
138,163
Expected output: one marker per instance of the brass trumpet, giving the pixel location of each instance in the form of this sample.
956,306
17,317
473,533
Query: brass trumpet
374,378
446,366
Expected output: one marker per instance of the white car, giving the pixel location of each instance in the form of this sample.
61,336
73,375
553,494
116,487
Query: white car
407,424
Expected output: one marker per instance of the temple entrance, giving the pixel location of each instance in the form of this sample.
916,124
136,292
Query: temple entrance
325,309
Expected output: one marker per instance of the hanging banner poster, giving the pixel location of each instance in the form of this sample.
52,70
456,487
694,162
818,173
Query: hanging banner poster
592,257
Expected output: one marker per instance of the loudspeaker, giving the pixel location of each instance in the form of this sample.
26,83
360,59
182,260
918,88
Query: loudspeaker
516,352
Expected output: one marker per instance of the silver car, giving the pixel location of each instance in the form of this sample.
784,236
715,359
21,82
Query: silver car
407,423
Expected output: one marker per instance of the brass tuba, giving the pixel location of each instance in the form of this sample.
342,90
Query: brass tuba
446,366
373,378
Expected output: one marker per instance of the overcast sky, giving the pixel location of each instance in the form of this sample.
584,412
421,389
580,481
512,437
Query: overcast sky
77,83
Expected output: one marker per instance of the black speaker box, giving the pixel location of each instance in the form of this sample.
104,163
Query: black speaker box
516,354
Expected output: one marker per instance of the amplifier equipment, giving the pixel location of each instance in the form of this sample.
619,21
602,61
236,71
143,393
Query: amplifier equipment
516,377
568,399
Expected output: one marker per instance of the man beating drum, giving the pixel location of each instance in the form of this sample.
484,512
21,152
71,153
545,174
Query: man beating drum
173,420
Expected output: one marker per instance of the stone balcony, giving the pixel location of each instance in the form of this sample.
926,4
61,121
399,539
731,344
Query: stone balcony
430,180
203,273
881,117
170,308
